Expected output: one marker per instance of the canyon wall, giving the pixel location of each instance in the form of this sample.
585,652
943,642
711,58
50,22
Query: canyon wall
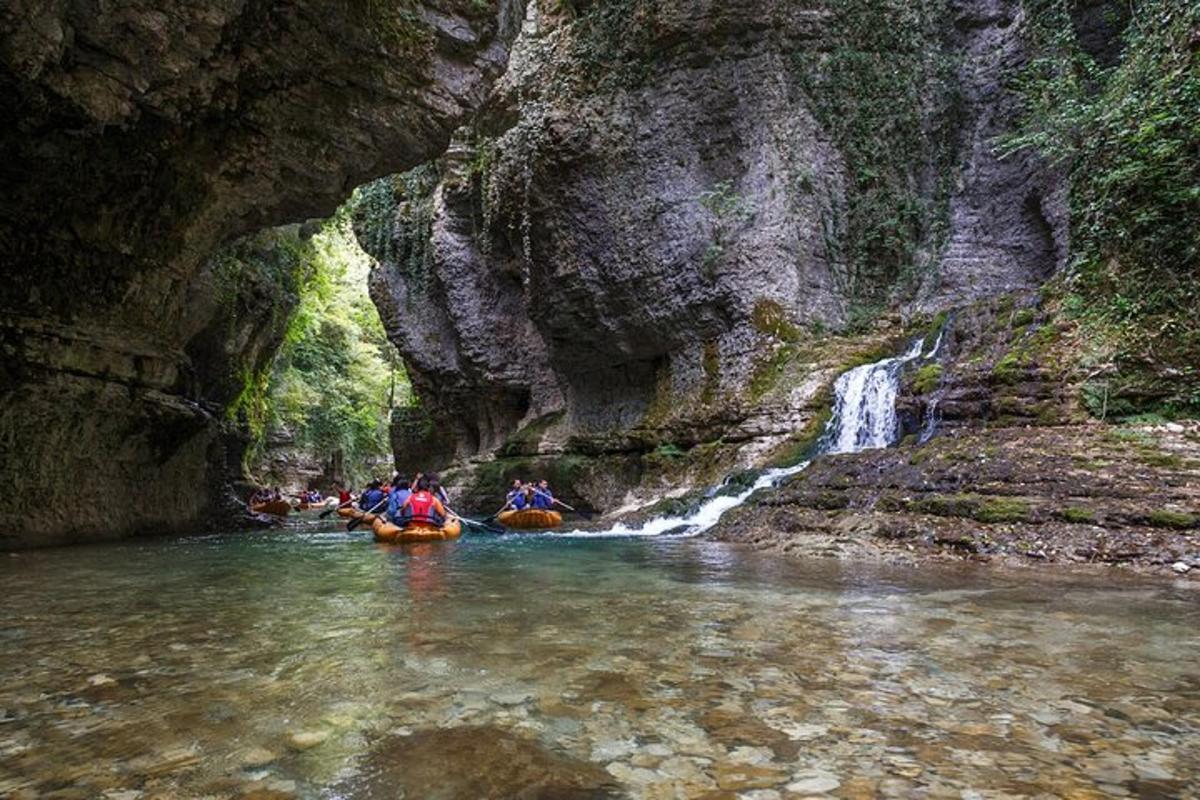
143,138
628,264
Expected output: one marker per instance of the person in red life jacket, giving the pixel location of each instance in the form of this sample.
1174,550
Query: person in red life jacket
344,496
422,508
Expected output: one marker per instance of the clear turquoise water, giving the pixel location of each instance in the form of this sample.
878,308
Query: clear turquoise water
323,665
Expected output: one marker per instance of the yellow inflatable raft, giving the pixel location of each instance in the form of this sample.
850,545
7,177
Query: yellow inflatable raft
530,519
276,508
393,534
349,512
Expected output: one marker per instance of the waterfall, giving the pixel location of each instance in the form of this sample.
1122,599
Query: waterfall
864,412
864,418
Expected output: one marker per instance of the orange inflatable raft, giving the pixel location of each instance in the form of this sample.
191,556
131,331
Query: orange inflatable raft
530,519
276,508
391,533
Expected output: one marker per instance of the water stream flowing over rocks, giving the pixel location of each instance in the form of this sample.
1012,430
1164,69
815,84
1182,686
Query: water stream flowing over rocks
864,418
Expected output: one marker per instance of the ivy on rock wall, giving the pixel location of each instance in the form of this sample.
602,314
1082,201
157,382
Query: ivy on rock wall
1130,135
884,88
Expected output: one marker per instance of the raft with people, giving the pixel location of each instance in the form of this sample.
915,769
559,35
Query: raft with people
391,533
530,507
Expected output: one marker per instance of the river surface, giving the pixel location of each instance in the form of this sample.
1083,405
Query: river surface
321,665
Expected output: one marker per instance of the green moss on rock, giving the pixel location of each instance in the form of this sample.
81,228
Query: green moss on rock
927,378
1177,520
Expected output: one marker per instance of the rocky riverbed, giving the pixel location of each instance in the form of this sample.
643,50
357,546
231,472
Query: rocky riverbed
550,668
1061,495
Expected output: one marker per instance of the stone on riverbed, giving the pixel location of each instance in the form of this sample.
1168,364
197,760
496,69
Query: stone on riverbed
813,781
474,761
306,740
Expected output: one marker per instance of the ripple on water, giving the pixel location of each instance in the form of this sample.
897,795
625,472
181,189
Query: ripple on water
320,665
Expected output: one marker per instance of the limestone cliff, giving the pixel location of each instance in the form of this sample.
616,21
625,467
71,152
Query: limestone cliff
663,204
143,136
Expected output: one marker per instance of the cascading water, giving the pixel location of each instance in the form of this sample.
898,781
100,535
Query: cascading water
864,418
864,412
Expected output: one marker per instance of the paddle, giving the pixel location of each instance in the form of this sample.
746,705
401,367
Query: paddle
480,523
583,514
332,509
354,523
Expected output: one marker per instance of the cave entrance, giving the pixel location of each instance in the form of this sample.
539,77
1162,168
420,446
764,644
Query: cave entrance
318,411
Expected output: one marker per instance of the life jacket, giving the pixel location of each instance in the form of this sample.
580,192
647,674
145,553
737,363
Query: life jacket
542,499
343,497
421,509
517,499
370,499
396,504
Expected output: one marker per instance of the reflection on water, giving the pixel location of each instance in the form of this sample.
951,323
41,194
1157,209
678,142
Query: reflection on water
283,665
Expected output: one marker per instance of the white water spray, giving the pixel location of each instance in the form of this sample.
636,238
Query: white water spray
864,418
864,413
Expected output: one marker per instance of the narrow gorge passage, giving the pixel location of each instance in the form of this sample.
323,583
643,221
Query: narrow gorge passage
649,399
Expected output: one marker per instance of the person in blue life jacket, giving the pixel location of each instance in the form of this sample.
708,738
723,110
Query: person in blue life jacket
372,497
516,499
543,498
400,493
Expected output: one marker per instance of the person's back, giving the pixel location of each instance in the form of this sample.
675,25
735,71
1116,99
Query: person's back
396,501
422,508
372,497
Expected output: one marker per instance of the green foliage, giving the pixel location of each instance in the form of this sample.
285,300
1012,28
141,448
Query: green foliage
395,24
1002,509
727,204
336,377
669,451
613,41
1130,137
970,506
731,211
393,217
770,319
927,378
884,90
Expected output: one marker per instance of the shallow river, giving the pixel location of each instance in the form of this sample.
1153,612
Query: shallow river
325,666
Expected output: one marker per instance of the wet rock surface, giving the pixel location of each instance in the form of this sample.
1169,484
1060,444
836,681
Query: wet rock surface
622,259
999,461
1069,495
143,138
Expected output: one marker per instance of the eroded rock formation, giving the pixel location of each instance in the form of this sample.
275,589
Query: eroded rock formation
142,136
663,204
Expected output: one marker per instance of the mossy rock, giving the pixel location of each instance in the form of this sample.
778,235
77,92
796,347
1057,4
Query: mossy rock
1076,515
927,378
1177,520
1003,509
